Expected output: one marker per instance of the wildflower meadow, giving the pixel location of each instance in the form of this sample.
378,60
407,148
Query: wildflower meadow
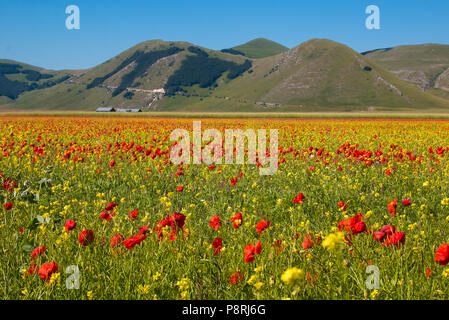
94,208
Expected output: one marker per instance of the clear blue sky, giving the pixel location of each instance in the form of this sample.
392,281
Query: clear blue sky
34,31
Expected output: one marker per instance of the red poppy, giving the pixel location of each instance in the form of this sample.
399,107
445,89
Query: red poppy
442,255
37,252
215,222
396,239
179,188
47,269
379,235
354,225
406,202
179,219
237,219
258,248
33,268
388,229
69,225
392,205
236,277
342,205
116,240
428,273
217,244
8,206
133,214
251,250
309,241
111,206
262,225
299,198
105,216
86,237
132,241
112,164
249,253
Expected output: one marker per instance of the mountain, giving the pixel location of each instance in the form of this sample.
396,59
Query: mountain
425,65
317,75
258,48
17,78
135,78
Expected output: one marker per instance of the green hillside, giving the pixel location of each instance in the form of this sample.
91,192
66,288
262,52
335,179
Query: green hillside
324,73
426,66
318,75
260,48
17,78
145,67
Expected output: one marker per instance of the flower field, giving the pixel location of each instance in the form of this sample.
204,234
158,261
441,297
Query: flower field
93,208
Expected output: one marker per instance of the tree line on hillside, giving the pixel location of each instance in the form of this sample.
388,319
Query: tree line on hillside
233,51
202,70
13,88
143,61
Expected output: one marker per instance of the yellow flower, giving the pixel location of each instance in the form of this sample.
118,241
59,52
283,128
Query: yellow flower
333,241
446,273
292,275
374,294
184,284
54,278
258,269
258,285
156,276
90,295
144,289
252,280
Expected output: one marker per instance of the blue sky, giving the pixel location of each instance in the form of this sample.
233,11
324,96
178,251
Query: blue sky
33,31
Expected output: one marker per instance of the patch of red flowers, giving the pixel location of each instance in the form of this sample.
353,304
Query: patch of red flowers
116,240
309,241
442,254
396,239
111,206
69,225
37,252
215,222
406,202
299,198
342,205
47,269
392,205
176,222
8,206
236,277
251,250
86,237
106,215
382,233
217,244
262,225
133,214
132,241
237,219
354,225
